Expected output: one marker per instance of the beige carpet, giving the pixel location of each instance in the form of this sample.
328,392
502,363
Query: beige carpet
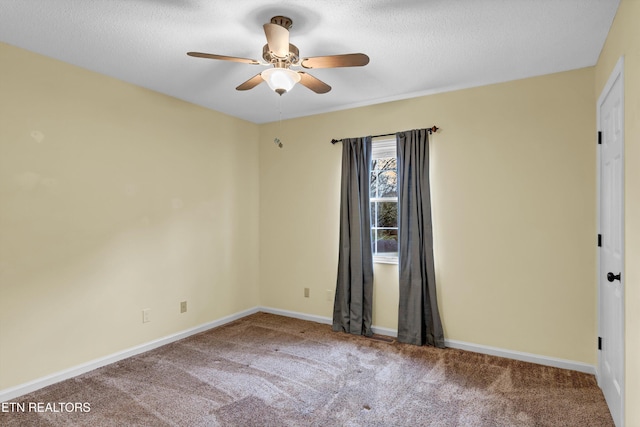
267,370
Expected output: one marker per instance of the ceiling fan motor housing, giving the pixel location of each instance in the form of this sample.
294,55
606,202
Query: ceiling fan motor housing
271,58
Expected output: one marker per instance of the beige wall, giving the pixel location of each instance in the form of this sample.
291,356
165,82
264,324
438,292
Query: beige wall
513,184
115,199
624,39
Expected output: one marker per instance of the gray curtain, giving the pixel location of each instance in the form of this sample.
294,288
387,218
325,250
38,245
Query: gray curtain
418,315
354,290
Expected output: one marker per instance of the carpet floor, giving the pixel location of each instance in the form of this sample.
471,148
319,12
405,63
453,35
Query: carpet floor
268,370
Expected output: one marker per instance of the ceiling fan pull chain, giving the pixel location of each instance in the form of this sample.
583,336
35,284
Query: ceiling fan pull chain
276,140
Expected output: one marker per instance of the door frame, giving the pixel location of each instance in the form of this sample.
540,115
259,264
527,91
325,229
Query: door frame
616,73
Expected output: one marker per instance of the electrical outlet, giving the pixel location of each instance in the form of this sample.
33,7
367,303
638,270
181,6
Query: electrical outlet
183,307
306,292
329,295
145,315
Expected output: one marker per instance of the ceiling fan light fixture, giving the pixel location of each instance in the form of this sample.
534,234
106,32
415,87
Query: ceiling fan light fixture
280,80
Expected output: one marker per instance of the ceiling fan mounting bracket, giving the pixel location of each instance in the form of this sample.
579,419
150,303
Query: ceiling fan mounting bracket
283,21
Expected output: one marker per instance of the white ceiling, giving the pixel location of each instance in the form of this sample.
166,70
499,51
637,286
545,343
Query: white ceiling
416,47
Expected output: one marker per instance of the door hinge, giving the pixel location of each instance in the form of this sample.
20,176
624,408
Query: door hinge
599,240
599,137
599,343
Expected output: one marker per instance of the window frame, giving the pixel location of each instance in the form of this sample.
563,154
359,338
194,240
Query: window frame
382,149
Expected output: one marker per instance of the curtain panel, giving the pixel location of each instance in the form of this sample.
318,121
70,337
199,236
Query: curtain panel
418,315
353,303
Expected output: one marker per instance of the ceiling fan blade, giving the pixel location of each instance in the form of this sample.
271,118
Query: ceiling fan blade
334,61
277,39
251,83
224,58
318,86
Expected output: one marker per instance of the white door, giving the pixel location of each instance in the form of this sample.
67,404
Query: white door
611,274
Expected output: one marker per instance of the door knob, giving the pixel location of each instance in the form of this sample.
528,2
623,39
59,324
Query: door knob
611,277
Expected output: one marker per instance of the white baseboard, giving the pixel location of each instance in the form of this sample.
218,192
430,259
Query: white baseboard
384,331
525,357
297,315
322,319
22,389
476,348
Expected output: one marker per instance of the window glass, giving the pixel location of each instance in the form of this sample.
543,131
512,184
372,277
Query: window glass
384,201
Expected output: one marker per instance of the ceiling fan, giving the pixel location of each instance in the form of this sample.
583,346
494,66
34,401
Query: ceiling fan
282,55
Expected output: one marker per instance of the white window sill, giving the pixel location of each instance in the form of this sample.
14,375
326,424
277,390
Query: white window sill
385,260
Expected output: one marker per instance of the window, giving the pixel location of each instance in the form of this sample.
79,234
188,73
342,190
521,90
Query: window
384,201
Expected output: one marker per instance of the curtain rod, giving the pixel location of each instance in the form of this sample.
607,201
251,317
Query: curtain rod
430,130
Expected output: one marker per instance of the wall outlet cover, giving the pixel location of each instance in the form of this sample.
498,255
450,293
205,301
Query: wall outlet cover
145,315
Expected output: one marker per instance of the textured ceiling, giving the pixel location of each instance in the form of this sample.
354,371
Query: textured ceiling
416,47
